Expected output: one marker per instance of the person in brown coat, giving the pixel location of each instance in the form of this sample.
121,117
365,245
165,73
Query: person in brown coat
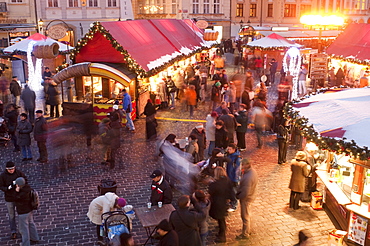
300,170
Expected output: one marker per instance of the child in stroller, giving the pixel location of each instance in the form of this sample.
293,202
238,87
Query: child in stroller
114,224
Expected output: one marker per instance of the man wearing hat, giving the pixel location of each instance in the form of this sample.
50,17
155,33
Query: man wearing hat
103,204
28,97
40,134
200,134
7,185
161,190
168,235
24,129
27,226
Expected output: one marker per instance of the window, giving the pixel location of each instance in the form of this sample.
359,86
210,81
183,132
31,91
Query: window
216,6
253,10
359,4
93,3
17,1
73,3
239,10
289,10
270,9
206,7
53,3
174,7
112,3
305,9
195,6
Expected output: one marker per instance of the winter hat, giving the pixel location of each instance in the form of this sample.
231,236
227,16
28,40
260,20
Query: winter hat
156,173
218,84
214,114
115,106
9,165
164,225
39,111
121,202
199,126
300,156
20,181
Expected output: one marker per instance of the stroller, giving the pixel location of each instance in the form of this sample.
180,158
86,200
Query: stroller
4,135
114,224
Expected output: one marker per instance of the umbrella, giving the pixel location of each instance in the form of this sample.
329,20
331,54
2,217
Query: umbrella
23,45
273,41
342,114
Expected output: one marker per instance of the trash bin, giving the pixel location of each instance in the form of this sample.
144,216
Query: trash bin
336,237
316,200
107,185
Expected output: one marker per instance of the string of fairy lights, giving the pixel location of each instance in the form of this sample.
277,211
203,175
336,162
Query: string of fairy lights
132,65
339,146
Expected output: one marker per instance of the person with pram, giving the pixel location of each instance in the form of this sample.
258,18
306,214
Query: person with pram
103,204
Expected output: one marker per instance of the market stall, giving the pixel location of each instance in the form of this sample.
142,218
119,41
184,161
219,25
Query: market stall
337,121
136,55
352,54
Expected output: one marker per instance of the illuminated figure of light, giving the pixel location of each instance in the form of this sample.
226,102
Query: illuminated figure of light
292,64
34,76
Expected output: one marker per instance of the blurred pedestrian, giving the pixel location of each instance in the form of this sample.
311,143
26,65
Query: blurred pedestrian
230,124
300,170
27,227
100,205
242,125
216,94
258,65
7,185
191,99
302,77
186,222
220,192
200,134
305,238
262,120
40,134
127,107
162,93
219,62
249,80
211,131
105,139
246,193
339,76
11,115
28,97
161,190
232,97
172,89
150,121
202,201
273,68
246,98
15,90
24,129
168,236
217,159
53,96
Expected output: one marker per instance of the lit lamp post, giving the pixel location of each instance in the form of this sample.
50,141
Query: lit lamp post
321,22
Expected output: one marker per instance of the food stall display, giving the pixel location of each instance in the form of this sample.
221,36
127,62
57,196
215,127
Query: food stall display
336,122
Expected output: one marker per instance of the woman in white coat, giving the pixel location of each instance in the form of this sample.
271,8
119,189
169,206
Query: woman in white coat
102,204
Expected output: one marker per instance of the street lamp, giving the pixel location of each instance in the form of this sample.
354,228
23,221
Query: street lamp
320,22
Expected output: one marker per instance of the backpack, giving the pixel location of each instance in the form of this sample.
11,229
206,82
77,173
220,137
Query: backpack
35,199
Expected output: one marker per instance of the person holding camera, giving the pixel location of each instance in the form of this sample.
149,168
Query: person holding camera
7,185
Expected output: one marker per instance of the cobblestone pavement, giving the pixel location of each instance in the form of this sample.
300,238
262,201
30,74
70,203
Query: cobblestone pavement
66,194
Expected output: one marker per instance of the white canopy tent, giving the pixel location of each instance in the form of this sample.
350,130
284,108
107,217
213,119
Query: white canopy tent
342,114
273,41
22,46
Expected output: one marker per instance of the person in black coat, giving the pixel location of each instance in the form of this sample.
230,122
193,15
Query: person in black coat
7,186
40,134
186,222
11,115
220,191
246,98
27,227
168,235
161,190
221,135
150,121
28,97
242,118
24,129
53,99
217,160
283,139
200,134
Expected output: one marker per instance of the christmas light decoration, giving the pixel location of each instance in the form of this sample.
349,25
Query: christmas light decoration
34,72
292,64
